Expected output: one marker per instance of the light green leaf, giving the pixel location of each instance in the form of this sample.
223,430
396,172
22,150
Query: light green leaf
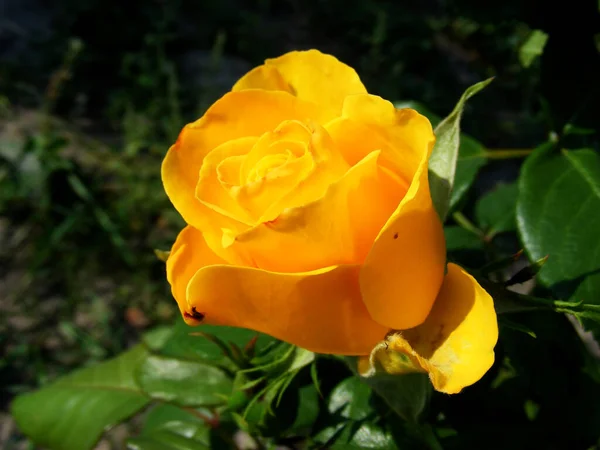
496,211
558,214
72,413
532,47
471,156
182,382
443,160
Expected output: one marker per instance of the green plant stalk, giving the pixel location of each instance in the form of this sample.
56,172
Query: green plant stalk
507,301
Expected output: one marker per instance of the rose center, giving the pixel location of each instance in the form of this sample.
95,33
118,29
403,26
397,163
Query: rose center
270,166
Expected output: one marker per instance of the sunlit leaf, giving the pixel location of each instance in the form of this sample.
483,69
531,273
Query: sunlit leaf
72,413
183,382
558,215
471,156
443,160
532,47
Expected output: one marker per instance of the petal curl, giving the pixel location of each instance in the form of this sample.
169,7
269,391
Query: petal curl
339,228
310,75
404,269
188,254
455,345
320,311
369,123
236,115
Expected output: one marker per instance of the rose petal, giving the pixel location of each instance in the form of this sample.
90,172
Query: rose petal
310,75
456,342
235,115
403,272
221,209
339,228
188,254
320,311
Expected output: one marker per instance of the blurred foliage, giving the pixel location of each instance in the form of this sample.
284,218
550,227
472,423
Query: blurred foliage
91,96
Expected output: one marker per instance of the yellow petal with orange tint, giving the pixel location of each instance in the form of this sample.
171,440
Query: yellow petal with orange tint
338,228
321,311
188,254
263,77
403,271
223,210
236,115
455,345
310,75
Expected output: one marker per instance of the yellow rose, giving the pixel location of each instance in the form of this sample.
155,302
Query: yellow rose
310,219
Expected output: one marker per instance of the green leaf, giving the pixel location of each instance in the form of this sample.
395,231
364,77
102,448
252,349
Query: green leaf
558,215
443,160
169,427
351,399
532,47
471,156
496,211
189,343
308,408
457,238
173,435
72,413
362,436
187,383
408,395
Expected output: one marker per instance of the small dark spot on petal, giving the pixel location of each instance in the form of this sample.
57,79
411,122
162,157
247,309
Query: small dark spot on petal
395,235
194,314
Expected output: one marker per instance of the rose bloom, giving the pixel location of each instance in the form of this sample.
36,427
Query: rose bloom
310,219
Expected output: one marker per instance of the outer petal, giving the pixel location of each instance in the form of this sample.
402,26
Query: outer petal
235,115
339,228
310,75
404,269
321,311
456,342
188,254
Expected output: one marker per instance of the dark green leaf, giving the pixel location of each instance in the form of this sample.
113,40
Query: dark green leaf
558,215
188,343
496,211
308,408
443,160
351,399
72,413
186,383
363,436
457,238
408,395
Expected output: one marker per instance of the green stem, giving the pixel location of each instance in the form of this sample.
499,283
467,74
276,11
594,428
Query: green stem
465,223
507,301
507,153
